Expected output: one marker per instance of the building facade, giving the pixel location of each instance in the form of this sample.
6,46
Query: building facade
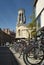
22,31
21,28
39,13
7,31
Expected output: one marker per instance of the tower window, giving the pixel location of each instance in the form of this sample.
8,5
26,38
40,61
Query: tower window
20,17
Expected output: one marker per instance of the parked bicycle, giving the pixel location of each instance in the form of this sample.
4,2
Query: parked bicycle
34,53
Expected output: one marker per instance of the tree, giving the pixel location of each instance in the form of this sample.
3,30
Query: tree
32,24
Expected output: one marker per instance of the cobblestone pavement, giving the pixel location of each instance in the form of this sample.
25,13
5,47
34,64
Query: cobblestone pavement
21,58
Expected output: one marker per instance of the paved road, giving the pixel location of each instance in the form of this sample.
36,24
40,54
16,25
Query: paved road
6,57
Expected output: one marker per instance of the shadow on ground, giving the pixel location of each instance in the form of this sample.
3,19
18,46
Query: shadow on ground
7,57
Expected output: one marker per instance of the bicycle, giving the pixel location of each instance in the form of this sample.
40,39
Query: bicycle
34,53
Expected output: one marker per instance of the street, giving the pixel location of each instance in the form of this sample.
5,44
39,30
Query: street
7,57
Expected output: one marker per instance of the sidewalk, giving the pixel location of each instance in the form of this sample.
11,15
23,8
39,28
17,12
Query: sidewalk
21,58
17,57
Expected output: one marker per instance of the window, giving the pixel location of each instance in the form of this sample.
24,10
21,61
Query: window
20,17
38,22
19,32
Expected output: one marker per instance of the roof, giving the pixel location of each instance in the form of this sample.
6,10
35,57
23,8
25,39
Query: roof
35,1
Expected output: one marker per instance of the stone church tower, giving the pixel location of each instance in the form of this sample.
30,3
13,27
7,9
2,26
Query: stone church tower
21,17
21,29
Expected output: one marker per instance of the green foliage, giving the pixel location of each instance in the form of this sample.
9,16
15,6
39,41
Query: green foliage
32,24
33,32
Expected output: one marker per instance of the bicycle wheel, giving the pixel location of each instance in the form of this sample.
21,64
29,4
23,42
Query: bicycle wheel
25,55
34,59
25,59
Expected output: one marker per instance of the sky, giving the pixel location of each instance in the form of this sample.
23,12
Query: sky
9,12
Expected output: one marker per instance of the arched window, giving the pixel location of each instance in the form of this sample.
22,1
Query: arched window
20,17
19,32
